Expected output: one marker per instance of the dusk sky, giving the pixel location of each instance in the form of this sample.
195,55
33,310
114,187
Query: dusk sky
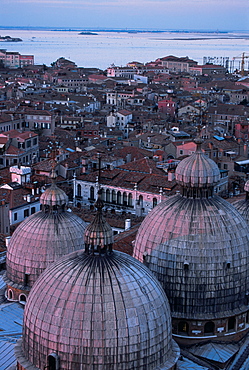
141,14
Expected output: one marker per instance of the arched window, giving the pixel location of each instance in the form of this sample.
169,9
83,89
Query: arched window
92,193
53,362
140,200
183,328
103,194
130,200
79,190
22,298
154,202
108,195
231,323
118,197
26,279
10,294
114,196
124,199
209,327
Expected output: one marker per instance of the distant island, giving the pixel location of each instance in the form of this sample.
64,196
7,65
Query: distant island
87,33
10,39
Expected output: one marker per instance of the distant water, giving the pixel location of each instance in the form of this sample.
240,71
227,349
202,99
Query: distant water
105,48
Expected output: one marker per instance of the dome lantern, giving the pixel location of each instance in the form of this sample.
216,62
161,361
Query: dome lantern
197,174
98,234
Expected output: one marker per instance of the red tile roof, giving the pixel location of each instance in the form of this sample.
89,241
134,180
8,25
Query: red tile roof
13,150
22,135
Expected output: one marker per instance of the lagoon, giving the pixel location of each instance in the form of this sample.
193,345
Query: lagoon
119,48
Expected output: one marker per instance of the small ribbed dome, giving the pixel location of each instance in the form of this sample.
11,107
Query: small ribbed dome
197,170
40,240
98,312
54,196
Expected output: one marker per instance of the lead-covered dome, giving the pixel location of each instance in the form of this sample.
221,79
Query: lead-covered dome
41,239
98,309
198,249
98,312
197,245
197,170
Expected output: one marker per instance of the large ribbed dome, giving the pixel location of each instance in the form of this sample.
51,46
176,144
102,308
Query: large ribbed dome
195,249
98,312
197,170
197,244
41,239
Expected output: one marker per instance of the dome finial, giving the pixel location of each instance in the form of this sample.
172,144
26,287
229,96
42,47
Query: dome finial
54,199
53,151
99,204
198,141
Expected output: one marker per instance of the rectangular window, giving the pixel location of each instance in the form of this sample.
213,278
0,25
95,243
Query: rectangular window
32,210
26,279
28,143
26,213
15,216
35,141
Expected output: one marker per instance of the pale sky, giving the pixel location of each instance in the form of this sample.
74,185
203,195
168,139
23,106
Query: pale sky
133,14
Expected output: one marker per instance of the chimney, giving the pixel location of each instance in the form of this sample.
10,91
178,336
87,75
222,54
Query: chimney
127,224
128,158
171,175
7,241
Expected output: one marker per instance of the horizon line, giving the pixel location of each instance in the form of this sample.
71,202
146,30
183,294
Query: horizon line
122,29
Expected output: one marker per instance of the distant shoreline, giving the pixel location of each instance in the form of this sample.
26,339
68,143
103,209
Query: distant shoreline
9,39
122,30
205,38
